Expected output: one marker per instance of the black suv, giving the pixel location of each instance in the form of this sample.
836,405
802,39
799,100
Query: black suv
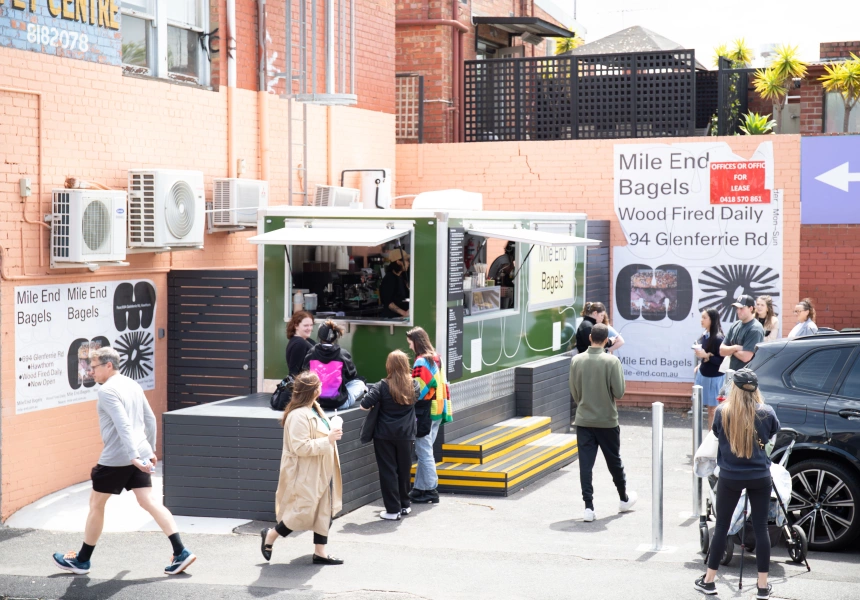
813,384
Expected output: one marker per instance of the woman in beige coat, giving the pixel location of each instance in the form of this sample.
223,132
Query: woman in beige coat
309,489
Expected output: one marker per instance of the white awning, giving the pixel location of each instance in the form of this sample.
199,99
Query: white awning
528,236
329,236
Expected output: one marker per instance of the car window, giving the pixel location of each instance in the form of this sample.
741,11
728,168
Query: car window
851,386
819,370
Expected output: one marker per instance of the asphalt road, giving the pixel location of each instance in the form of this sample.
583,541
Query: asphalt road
532,545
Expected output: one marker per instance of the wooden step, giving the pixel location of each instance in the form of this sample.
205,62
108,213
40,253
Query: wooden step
493,442
510,472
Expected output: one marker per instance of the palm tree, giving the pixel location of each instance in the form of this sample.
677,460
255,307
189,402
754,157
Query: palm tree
740,54
773,83
563,45
844,78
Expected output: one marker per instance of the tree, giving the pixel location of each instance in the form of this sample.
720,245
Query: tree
844,78
563,45
773,82
740,54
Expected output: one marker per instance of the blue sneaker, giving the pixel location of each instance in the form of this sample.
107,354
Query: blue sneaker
69,562
180,563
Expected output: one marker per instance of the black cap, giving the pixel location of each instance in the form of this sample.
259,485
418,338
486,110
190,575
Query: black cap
744,300
326,334
746,379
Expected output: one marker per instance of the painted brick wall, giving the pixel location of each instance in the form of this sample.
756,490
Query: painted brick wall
97,124
830,273
577,176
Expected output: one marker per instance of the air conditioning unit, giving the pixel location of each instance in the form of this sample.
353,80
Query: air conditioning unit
230,196
166,209
330,195
87,227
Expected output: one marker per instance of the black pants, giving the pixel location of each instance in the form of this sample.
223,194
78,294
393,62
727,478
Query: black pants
284,531
588,440
728,495
394,459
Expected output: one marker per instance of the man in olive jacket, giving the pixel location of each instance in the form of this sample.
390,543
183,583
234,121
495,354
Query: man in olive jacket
596,382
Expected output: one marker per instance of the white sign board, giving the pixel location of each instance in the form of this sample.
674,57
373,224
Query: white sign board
57,326
552,272
703,226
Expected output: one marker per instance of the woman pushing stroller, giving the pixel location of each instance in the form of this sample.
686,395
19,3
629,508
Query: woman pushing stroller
743,426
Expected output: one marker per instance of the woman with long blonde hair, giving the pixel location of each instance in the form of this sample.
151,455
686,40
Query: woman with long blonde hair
308,502
743,425
394,397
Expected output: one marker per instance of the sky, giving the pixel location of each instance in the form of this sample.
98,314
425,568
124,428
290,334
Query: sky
704,24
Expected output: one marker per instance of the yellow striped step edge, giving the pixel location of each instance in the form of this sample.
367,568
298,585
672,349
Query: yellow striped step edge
511,472
492,442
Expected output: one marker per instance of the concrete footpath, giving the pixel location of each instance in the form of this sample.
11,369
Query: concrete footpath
532,545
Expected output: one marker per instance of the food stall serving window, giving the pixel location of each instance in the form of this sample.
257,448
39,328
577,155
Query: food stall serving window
355,271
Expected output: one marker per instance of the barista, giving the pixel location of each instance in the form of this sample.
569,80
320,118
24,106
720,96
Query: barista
394,287
502,272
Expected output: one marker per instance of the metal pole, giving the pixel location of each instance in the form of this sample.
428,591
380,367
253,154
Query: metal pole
329,47
697,441
657,475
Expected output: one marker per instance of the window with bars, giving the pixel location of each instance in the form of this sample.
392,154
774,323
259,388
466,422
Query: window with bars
409,98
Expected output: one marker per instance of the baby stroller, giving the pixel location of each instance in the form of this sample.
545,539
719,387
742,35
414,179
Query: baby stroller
741,531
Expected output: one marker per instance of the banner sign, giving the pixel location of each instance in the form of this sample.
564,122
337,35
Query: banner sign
57,326
703,226
552,269
82,29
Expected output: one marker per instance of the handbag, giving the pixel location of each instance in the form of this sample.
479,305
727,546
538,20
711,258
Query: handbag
368,426
705,459
724,366
282,394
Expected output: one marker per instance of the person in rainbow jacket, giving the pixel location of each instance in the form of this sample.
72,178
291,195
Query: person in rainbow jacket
432,408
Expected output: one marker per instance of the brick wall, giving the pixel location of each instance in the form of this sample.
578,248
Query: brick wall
830,273
96,124
577,176
838,50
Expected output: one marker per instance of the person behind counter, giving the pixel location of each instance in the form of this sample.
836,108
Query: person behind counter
394,287
502,271
341,386
299,331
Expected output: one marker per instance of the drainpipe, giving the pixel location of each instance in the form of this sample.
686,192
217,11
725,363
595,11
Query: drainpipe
263,90
231,88
329,47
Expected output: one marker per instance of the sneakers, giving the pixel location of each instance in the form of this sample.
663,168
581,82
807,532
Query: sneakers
389,516
180,563
69,562
706,588
405,511
416,493
764,593
623,506
424,496
588,516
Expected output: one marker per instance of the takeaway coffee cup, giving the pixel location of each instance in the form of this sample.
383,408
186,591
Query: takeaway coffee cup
336,421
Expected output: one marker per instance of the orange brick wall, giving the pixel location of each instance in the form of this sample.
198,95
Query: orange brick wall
830,273
97,124
577,176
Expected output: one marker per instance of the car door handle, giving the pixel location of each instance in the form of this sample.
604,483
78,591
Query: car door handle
850,414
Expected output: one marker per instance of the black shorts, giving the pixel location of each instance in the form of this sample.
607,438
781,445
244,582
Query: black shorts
112,480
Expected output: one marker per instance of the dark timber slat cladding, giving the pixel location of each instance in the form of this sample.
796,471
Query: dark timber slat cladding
542,391
223,459
212,336
597,274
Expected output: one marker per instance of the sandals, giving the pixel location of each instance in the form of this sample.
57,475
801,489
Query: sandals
265,548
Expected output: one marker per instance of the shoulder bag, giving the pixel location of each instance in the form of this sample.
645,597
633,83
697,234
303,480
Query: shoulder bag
368,426
282,394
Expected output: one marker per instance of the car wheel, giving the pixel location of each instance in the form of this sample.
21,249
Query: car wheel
824,497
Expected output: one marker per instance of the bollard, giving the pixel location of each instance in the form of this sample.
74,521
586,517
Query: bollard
657,475
697,441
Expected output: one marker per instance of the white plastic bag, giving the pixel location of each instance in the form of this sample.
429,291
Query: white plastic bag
705,459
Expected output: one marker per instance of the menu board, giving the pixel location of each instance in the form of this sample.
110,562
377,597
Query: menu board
455,263
455,342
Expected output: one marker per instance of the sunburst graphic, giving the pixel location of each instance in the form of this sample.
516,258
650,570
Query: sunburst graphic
721,285
135,353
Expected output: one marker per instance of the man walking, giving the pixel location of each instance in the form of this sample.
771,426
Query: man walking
743,335
596,382
128,431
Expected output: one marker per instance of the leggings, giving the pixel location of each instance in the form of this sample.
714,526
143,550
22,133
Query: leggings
284,531
728,495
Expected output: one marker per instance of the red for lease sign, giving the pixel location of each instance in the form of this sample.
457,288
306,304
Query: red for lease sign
738,183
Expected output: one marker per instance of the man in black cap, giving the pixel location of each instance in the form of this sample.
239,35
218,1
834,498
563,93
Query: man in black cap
743,335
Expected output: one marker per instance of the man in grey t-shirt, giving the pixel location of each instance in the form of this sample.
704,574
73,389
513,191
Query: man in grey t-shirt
128,430
743,335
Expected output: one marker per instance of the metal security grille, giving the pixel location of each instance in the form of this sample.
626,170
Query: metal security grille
212,336
646,94
141,209
96,227
706,97
409,99
60,225
480,390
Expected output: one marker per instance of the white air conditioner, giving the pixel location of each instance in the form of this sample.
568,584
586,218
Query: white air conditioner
330,195
87,226
231,196
166,209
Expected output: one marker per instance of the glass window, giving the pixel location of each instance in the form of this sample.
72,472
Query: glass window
834,114
184,11
183,52
134,47
819,370
851,386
